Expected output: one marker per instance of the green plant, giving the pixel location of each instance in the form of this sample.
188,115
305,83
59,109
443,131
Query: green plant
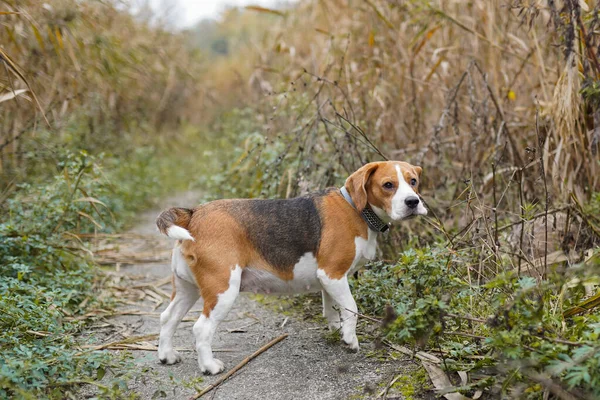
47,281
411,387
509,332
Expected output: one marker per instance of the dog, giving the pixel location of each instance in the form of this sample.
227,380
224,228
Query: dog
305,244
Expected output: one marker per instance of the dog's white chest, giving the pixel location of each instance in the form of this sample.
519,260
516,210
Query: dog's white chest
304,281
365,250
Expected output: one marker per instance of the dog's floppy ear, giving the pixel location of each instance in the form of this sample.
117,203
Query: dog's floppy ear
418,170
356,185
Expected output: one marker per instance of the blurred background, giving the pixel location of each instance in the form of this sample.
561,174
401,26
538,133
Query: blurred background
185,14
492,98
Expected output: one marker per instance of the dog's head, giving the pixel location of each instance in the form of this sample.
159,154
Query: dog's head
389,187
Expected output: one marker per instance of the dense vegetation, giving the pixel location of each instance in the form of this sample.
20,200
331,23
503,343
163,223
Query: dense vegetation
498,101
48,282
92,108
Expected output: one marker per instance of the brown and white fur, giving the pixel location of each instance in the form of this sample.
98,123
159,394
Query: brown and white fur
306,244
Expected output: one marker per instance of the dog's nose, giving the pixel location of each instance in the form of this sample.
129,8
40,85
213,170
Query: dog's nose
411,202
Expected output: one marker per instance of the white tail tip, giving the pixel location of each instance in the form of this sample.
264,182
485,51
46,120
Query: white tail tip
177,232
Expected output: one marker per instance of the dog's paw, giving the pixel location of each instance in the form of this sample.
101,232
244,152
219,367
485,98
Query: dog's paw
333,319
169,357
334,326
211,367
351,342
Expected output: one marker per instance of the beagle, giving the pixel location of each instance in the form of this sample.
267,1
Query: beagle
306,244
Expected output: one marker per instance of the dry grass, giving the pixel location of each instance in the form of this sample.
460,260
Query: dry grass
486,95
102,79
453,85
395,68
498,101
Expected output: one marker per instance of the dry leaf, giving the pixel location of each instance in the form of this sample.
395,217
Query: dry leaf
441,381
12,95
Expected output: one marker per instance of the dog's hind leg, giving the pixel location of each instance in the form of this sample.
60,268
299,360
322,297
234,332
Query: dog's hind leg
216,308
186,295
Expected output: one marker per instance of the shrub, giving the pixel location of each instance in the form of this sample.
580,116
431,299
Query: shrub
509,333
47,279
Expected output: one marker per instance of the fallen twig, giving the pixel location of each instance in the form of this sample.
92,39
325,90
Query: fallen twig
469,335
384,392
373,319
37,333
239,366
161,292
587,305
161,282
155,348
116,235
153,295
249,315
129,340
284,322
131,259
468,318
242,329
421,355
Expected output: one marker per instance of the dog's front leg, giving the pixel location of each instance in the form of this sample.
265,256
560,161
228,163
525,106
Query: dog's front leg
330,313
339,291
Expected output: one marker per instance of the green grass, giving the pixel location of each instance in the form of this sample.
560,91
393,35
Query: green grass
413,385
47,279
516,324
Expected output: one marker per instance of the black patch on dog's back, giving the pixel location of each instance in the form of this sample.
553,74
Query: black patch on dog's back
281,230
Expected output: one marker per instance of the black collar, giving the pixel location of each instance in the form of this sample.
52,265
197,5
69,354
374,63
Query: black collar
373,221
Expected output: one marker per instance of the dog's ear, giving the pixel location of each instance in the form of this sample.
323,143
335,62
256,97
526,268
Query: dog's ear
356,185
418,170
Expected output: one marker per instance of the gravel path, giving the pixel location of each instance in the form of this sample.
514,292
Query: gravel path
306,365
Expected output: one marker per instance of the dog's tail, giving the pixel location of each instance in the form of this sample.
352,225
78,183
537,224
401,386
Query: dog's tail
174,223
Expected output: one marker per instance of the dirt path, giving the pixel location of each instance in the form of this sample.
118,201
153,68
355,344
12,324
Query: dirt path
304,366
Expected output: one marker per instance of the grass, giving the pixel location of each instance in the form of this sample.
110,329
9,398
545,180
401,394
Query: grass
98,84
411,387
91,139
503,331
497,102
47,281
492,103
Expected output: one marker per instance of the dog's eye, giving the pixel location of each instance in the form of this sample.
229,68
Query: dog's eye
413,182
388,185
